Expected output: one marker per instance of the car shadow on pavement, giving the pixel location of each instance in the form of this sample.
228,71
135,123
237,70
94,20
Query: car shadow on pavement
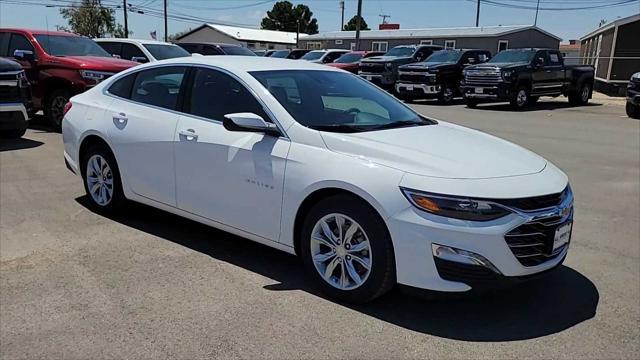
534,309
539,106
18,144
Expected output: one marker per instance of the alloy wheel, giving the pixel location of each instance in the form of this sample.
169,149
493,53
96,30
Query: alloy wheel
57,108
447,94
341,251
584,95
521,98
99,180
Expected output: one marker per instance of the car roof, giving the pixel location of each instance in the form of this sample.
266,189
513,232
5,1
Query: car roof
207,43
237,63
132,41
40,32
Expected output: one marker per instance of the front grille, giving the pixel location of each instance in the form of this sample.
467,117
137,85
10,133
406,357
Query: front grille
482,79
454,271
417,78
372,67
536,202
9,94
532,243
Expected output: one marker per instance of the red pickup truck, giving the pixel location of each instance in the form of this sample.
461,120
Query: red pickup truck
58,65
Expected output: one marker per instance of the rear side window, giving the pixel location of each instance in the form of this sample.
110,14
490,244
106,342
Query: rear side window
112,48
159,86
554,59
122,87
130,51
189,47
210,50
215,94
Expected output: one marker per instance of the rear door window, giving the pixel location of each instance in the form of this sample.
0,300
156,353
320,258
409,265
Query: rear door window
210,50
113,48
122,87
554,59
159,86
130,51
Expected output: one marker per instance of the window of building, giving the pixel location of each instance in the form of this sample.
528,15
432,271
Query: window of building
503,45
352,46
426,42
449,44
314,45
338,42
379,46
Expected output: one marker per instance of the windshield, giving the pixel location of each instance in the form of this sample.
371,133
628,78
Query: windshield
444,56
280,54
162,51
335,101
313,55
401,51
348,58
513,56
61,45
237,50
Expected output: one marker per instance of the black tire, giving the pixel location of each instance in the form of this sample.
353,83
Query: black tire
14,133
117,200
446,96
633,111
581,97
54,107
471,104
382,276
521,99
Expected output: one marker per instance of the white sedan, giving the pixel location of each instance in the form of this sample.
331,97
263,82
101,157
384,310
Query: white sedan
320,163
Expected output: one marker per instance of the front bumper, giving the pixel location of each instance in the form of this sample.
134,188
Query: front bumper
384,79
418,90
489,91
13,116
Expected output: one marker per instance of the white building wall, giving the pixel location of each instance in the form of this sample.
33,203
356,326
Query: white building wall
207,34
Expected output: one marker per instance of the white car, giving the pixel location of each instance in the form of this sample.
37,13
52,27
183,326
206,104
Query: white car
142,51
317,162
324,56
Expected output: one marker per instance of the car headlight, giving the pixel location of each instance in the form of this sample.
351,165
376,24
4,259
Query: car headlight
507,75
95,76
388,66
455,207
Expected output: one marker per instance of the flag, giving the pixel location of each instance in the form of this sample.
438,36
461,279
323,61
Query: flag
153,35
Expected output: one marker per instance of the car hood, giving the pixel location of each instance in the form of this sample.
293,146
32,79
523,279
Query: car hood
343,65
425,66
9,65
100,63
443,150
377,59
497,66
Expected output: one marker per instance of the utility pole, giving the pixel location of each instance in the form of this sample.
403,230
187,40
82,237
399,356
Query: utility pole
166,36
342,10
535,22
478,14
358,23
384,18
126,24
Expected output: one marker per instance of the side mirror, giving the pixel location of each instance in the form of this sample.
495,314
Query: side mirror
249,122
115,56
24,55
140,59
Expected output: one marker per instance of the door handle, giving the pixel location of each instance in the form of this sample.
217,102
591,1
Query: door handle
120,120
188,134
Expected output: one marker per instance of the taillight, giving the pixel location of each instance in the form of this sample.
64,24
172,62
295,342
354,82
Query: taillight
66,108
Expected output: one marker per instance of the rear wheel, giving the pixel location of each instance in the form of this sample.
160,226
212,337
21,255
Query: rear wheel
521,98
54,107
102,179
347,249
581,97
633,111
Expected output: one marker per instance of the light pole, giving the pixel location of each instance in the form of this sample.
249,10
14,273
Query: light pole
478,14
358,23
535,22
166,36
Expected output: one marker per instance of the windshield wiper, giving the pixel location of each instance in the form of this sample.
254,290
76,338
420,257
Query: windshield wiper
399,124
343,128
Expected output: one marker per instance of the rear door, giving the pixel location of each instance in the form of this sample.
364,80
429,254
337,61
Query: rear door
555,71
539,75
142,121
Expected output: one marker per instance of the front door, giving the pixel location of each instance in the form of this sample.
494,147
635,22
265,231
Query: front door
143,123
235,178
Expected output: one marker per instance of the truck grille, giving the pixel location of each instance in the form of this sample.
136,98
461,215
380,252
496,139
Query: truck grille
417,77
532,243
10,94
372,67
482,76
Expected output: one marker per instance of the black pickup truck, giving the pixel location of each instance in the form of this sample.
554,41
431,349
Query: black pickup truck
521,76
16,107
633,96
383,70
438,76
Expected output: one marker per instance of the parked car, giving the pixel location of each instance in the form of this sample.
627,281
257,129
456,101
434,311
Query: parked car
324,56
289,54
268,53
58,65
438,76
633,97
310,160
205,48
383,70
16,107
351,60
259,52
521,76
141,51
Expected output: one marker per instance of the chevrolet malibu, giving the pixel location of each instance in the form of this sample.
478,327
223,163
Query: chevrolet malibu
319,163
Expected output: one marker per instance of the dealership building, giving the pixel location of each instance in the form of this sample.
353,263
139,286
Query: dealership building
255,39
492,38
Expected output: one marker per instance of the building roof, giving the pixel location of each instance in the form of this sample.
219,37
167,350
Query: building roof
612,24
132,41
427,33
248,34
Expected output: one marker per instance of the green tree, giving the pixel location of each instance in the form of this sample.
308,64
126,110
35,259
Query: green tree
284,17
91,19
353,24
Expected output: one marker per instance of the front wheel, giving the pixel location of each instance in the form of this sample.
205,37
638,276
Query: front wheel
347,249
633,111
102,179
521,99
446,96
54,107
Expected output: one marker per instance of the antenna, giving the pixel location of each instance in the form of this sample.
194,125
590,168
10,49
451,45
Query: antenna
384,18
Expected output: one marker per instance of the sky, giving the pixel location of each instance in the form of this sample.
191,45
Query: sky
568,24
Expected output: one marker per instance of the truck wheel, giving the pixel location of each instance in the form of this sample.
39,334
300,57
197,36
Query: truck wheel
54,107
521,98
633,111
14,133
446,95
582,96
471,103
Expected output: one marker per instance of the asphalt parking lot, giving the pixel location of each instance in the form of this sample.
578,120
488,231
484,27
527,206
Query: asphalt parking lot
147,284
